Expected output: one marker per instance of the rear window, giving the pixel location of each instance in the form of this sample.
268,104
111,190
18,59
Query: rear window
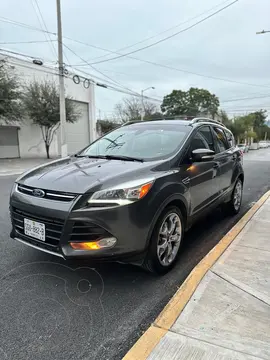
147,141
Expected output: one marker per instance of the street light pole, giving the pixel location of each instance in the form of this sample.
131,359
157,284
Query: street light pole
142,106
62,104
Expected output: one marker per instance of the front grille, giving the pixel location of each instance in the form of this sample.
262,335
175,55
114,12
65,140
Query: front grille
53,227
48,194
86,231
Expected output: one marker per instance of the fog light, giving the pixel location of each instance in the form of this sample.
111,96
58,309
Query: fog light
94,245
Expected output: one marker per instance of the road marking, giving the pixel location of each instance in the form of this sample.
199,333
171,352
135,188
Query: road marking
148,341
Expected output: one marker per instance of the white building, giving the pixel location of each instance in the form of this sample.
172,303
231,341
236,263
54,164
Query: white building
24,139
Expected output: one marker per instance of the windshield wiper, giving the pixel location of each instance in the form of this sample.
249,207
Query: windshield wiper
90,156
122,157
112,157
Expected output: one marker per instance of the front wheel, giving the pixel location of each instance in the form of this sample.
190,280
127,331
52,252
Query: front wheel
165,242
235,203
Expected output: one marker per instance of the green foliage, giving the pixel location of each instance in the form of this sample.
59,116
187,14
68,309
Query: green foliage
105,126
248,126
224,118
193,102
155,116
10,95
41,105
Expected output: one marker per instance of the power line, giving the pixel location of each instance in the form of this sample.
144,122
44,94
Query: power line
34,58
48,33
41,69
30,67
24,55
42,23
247,98
135,58
108,77
25,42
164,31
167,37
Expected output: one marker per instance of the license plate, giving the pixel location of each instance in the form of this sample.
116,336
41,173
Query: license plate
34,229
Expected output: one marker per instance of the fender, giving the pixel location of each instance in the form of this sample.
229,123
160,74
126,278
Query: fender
167,201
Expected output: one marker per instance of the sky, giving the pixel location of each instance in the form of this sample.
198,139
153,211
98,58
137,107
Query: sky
223,47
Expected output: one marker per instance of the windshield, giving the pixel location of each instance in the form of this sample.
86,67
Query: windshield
148,142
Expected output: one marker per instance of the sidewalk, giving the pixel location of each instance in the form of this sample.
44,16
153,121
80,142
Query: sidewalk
222,311
9,167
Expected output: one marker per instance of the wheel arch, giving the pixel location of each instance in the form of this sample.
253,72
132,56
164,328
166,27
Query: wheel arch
175,200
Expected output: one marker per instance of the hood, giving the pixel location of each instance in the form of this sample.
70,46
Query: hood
82,175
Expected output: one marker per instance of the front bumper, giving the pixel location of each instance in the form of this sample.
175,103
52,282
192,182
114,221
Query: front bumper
67,222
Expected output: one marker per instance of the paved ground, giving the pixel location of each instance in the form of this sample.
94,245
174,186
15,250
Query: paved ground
228,316
45,311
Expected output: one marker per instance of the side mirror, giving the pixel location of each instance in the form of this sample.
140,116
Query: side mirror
201,155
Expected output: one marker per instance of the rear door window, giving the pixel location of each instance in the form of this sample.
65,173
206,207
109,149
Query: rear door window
221,139
230,138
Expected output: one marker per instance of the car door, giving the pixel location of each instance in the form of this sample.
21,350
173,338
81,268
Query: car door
200,177
225,158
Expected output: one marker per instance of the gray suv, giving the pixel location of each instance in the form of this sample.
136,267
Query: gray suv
131,195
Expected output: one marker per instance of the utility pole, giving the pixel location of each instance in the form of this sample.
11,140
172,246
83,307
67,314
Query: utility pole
61,83
142,106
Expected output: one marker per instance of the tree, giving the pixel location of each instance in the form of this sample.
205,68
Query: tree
130,109
10,96
105,126
41,105
259,123
224,118
193,102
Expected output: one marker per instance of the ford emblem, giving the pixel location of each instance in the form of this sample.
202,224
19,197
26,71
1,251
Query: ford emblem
38,193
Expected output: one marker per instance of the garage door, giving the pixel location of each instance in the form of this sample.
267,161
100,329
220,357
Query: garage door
78,133
9,146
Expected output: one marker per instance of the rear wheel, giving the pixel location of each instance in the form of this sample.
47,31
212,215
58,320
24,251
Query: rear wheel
235,203
165,242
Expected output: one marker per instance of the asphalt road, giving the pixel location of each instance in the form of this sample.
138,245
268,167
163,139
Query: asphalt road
54,310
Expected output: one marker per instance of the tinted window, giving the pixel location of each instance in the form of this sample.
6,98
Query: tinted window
221,139
198,142
230,138
148,141
206,132
203,139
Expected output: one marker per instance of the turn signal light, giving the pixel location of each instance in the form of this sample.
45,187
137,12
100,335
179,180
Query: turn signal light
144,190
94,245
85,245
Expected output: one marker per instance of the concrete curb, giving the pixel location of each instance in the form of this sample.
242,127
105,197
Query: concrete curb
147,342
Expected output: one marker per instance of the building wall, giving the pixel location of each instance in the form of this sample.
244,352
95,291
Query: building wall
78,134
31,143
9,147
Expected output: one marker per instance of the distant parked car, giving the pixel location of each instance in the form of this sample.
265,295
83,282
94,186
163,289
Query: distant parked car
263,144
243,147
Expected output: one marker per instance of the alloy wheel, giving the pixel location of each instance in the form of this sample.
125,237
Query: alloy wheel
169,239
237,195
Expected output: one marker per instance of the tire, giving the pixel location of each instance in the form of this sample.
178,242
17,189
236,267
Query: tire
157,263
234,205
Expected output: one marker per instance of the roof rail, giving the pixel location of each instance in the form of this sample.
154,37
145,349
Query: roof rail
196,120
140,121
153,120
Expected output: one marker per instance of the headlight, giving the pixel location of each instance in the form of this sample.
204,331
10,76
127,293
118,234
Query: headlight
121,195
